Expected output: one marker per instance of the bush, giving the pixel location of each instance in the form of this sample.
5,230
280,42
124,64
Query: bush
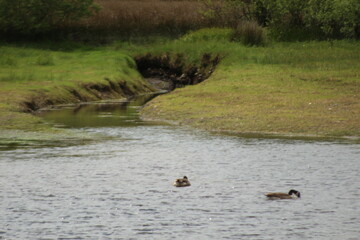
335,18
37,16
304,19
291,19
249,33
284,18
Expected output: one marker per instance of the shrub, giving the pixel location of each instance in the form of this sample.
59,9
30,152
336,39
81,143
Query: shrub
304,19
335,18
292,19
284,18
249,33
36,16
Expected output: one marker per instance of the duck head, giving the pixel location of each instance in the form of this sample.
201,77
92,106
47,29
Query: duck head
296,193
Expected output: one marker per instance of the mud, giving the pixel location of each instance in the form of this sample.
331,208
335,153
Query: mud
83,93
173,70
165,72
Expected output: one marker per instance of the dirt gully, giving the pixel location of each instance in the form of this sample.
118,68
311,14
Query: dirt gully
167,72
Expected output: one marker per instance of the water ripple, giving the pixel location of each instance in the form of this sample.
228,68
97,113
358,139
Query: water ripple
122,188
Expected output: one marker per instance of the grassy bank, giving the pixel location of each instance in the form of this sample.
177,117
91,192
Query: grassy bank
308,88
32,78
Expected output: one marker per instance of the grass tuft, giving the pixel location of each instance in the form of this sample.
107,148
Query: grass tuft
249,33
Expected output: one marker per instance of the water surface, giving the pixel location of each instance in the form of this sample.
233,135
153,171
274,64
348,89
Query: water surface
121,188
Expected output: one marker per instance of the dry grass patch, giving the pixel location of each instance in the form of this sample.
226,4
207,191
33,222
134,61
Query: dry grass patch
141,17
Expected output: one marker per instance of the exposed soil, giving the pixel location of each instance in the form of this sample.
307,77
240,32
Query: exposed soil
83,93
163,72
168,72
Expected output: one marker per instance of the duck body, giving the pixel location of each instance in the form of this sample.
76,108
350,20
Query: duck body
182,182
293,194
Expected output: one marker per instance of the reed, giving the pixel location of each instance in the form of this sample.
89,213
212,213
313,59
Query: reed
249,33
141,17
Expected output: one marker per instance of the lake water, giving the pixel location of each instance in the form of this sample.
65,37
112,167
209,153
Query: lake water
121,188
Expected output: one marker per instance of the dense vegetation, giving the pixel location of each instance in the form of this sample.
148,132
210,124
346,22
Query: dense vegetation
302,19
106,20
291,19
28,17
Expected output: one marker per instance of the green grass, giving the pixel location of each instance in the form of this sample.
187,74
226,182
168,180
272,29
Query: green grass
305,88
46,65
30,74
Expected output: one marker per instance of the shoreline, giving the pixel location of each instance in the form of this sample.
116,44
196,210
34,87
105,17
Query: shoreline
260,135
292,90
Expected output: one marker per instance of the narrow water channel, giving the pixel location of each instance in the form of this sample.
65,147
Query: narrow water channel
121,188
98,114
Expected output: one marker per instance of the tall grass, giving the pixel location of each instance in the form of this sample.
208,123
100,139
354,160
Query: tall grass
126,18
249,33
131,19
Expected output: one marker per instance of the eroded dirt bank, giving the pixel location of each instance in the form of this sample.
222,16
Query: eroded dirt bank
169,72
161,72
84,92
18,127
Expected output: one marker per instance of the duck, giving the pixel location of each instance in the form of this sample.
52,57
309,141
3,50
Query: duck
293,194
182,182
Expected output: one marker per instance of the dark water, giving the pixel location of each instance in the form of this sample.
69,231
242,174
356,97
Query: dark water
122,188
99,114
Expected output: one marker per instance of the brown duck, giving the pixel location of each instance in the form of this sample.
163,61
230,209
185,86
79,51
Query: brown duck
293,194
182,182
